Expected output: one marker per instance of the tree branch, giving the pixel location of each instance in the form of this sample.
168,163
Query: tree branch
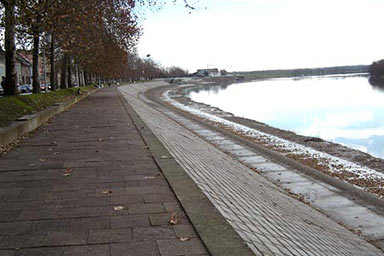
188,5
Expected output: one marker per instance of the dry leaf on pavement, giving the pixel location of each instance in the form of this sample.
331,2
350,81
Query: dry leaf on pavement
174,220
118,208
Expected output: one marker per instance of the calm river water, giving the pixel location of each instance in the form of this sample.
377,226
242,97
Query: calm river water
342,109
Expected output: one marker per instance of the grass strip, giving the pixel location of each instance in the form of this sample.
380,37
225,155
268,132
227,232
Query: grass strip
14,107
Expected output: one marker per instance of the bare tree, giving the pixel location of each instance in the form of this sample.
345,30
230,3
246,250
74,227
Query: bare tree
10,87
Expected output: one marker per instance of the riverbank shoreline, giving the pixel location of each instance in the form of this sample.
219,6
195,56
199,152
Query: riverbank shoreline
331,148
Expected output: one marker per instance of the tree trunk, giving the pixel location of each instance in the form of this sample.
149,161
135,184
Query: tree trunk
35,65
69,73
85,78
52,60
63,77
10,87
77,78
82,79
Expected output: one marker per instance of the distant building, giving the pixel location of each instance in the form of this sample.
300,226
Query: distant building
23,67
207,72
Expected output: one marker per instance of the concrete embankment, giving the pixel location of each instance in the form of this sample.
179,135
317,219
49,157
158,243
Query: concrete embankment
264,215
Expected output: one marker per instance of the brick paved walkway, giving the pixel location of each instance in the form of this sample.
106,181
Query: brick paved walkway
60,187
268,220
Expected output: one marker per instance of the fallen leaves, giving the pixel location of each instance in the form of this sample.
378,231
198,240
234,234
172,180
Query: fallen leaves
68,172
118,208
174,220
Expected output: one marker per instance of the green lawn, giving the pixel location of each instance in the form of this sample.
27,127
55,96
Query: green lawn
14,107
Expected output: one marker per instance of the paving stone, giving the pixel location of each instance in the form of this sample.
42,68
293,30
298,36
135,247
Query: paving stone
146,208
130,221
161,219
89,250
50,225
126,184
101,236
7,252
185,231
57,238
131,199
84,224
154,182
20,241
160,198
148,248
173,207
152,233
14,228
36,215
40,252
177,247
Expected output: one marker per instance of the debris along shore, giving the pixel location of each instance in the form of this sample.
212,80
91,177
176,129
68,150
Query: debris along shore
350,165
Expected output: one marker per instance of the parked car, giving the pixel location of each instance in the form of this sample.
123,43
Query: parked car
24,88
43,87
1,90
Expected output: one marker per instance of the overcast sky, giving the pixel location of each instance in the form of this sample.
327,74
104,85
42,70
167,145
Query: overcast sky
265,34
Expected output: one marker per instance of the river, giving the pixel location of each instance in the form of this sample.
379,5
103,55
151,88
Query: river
344,109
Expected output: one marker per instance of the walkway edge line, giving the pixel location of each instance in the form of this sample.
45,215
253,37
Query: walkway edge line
215,232
17,129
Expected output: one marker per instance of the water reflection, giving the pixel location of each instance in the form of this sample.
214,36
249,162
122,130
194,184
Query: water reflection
377,83
343,109
210,89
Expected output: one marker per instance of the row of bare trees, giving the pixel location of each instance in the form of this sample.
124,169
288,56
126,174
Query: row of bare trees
147,69
98,37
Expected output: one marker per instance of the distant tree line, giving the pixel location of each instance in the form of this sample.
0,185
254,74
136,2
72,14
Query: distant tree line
376,70
305,72
96,38
147,69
